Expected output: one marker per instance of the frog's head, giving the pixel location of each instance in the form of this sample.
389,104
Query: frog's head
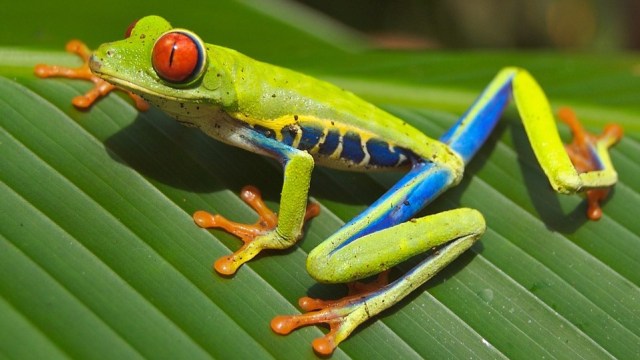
163,65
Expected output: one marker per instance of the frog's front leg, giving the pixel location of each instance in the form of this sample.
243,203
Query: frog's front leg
271,231
100,87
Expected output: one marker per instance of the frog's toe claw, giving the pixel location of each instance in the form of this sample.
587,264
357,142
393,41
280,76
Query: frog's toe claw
204,219
42,70
79,48
139,102
82,102
594,197
228,265
224,266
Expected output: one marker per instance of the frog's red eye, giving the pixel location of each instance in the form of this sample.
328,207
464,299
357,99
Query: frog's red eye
178,57
131,26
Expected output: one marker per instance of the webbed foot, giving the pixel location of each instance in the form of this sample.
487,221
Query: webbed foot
342,315
253,235
583,152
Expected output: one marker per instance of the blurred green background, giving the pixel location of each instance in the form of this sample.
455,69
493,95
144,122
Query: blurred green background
600,25
572,24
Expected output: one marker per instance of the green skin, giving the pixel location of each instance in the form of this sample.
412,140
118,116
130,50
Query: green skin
235,93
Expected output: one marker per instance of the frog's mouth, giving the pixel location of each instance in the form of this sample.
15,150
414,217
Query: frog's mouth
95,64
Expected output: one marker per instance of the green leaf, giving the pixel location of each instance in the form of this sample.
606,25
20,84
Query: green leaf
99,256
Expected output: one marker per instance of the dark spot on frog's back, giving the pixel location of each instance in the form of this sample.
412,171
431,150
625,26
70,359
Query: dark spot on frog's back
264,131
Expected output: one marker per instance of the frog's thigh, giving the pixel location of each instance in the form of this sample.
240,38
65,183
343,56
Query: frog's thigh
376,252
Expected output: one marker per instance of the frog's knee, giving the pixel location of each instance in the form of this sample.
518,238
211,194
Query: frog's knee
318,267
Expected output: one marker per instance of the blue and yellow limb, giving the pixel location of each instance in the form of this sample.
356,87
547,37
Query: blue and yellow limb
383,236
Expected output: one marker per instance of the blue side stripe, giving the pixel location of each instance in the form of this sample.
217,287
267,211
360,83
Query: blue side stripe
288,134
352,147
381,155
468,135
330,143
310,137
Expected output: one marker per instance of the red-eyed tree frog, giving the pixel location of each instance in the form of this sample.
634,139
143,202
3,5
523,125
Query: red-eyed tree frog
302,121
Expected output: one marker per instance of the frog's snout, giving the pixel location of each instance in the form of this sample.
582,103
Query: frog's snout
95,63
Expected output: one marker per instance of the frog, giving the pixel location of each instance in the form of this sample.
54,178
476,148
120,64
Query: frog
301,122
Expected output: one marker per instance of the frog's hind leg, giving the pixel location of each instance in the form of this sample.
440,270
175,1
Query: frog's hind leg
378,239
381,236
446,235
562,166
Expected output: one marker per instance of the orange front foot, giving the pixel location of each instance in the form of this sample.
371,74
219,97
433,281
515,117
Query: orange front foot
248,233
342,315
101,87
584,156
